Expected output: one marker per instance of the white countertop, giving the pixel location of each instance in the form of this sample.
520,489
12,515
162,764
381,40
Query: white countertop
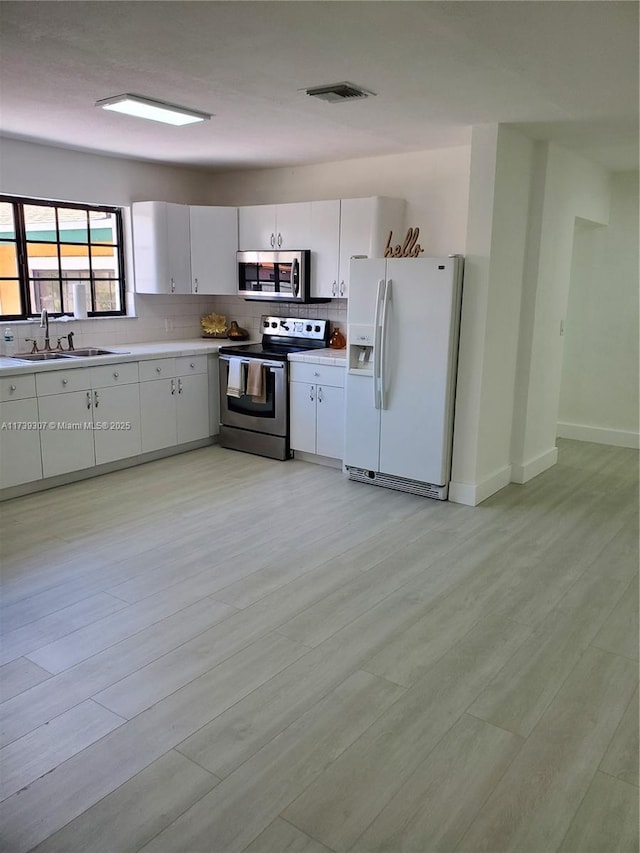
126,352
321,356
157,349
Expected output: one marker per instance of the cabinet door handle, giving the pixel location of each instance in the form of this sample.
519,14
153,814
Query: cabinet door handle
334,288
116,374
65,381
88,399
12,388
173,286
273,241
195,285
173,387
158,370
342,288
311,390
279,240
179,386
319,395
192,364
96,400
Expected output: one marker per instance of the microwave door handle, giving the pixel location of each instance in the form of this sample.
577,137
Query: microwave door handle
295,277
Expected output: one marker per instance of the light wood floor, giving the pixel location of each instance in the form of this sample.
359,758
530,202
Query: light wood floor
217,652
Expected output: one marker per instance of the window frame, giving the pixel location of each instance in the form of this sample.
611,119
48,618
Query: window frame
28,310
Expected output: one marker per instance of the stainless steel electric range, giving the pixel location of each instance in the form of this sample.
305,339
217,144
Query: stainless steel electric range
254,385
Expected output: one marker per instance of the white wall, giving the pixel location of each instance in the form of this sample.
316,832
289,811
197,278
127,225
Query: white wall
501,171
566,186
43,171
434,183
599,389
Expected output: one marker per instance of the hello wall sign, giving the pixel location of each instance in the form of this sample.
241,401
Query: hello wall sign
409,248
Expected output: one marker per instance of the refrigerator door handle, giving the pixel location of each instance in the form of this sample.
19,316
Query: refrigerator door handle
376,344
383,341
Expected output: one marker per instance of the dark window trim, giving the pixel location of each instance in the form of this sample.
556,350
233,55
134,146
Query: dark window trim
18,203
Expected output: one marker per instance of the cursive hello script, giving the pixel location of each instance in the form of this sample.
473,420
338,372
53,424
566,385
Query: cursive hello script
410,248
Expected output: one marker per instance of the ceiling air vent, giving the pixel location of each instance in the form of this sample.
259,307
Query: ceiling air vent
337,92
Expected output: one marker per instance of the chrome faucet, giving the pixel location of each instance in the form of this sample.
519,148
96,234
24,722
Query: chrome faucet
44,324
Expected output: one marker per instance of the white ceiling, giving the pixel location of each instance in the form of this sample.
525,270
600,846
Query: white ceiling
566,71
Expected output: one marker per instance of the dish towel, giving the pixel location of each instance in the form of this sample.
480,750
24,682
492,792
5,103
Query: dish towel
255,382
235,380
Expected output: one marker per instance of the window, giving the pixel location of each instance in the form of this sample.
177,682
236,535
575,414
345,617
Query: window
46,247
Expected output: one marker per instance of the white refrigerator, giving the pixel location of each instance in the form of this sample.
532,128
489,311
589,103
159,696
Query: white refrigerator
402,347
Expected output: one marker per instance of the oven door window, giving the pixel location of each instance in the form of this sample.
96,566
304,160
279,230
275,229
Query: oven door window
246,405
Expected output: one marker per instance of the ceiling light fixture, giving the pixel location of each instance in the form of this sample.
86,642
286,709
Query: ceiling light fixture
135,105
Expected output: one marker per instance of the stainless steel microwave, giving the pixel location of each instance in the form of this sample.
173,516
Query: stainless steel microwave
275,276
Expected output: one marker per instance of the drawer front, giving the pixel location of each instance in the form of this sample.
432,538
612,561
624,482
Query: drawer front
186,364
323,374
63,381
157,368
17,387
106,375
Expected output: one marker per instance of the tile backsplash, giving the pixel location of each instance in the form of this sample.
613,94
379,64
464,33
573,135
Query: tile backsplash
167,318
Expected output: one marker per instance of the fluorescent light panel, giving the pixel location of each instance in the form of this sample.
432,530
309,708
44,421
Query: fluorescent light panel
135,105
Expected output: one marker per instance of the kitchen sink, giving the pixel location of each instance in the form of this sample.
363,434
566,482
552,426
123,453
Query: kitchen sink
87,352
39,356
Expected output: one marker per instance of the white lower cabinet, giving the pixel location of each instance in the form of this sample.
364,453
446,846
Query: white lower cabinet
90,425
192,410
174,401
66,448
56,422
19,435
19,443
330,421
317,409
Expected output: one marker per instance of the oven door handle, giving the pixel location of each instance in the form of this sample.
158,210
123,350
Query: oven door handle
277,365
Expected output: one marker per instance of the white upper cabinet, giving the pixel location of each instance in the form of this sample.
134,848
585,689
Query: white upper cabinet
293,226
161,250
182,249
343,229
214,243
325,248
275,226
365,224
256,227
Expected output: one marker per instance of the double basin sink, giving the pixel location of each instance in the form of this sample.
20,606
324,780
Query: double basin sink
87,352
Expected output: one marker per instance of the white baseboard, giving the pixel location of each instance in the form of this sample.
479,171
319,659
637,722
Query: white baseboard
316,459
471,494
599,435
529,470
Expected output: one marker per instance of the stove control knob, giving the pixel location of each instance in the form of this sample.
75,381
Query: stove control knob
274,325
316,328
308,327
266,324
